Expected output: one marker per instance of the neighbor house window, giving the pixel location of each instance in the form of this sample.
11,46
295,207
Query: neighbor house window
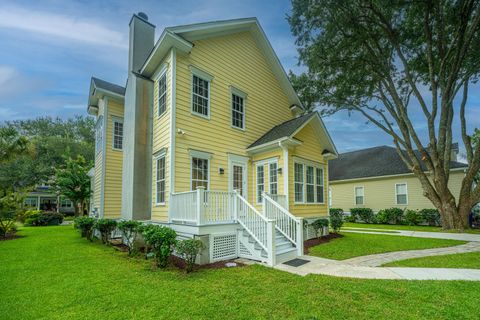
160,179
117,134
298,175
273,178
238,111
401,193
65,203
310,185
199,173
200,96
31,202
359,195
162,94
99,134
260,182
319,184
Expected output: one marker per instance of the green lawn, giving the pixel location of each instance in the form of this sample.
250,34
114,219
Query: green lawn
52,273
469,260
401,227
360,244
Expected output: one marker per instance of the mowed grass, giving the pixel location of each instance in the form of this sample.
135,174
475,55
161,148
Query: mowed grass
361,244
402,227
470,260
52,273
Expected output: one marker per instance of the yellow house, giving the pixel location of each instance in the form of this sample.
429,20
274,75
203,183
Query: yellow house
209,138
377,178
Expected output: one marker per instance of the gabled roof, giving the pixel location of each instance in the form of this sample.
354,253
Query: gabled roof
372,162
99,88
108,86
181,37
287,130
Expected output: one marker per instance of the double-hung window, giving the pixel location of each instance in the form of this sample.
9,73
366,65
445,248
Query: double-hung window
299,185
273,178
319,185
200,168
160,180
401,193
359,196
200,96
310,185
117,133
260,182
162,94
238,111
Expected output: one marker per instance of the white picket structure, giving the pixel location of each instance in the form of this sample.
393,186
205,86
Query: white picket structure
281,199
183,207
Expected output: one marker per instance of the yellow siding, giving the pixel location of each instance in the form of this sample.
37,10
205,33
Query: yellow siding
380,193
233,60
309,150
161,140
113,165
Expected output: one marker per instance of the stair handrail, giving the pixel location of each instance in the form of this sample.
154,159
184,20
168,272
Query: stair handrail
290,229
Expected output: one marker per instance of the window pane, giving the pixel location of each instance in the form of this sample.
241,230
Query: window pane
402,199
298,173
200,96
199,173
118,135
310,186
161,180
359,200
273,178
237,111
162,94
401,189
260,182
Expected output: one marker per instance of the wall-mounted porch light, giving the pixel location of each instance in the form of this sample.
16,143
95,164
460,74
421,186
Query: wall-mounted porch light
221,170
279,170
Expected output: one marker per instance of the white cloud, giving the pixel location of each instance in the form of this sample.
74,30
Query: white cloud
60,26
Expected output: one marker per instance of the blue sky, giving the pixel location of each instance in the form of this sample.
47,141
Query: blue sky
50,49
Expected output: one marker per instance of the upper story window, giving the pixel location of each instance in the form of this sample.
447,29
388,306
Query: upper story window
162,94
401,193
359,195
99,134
117,133
238,108
200,96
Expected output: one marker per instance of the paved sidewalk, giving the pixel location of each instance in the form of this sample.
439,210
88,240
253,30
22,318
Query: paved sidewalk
375,260
418,234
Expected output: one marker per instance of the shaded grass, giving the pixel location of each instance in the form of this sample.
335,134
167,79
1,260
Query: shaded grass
403,227
52,273
361,244
470,260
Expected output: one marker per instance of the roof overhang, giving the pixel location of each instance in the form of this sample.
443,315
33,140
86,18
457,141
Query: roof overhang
181,37
96,94
285,142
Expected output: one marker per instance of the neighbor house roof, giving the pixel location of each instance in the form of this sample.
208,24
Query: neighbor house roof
100,88
108,86
372,162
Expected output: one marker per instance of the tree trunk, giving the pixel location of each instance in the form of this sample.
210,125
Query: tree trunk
77,209
453,217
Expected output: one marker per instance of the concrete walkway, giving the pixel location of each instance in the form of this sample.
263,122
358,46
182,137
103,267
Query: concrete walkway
366,267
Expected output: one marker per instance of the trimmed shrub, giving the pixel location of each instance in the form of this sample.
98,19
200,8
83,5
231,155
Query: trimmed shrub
7,223
336,219
365,214
413,217
318,225
431,216
24,215
105,227
382,217
44,219
390,216
130,230
85,226
351,218
161,241
189,250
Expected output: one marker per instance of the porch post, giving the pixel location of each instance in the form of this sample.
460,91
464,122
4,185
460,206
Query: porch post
38,202
300,236
235,206
200,205
271,254
285,175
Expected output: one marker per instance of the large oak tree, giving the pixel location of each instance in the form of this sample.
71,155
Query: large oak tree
391,60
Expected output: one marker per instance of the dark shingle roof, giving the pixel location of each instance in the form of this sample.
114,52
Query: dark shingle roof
282,130
108,86
372,162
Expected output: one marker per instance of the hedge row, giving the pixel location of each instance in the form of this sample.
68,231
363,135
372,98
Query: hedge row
395,216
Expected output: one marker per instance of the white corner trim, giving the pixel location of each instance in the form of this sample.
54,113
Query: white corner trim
201,74
104,157
173,97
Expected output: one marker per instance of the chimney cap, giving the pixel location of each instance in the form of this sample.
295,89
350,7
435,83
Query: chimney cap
143,15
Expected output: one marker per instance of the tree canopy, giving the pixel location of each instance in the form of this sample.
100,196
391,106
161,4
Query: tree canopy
390,60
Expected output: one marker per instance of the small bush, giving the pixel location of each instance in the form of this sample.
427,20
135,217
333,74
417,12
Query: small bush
189,250
351,218
161,241
336,219
24,215
130,230
413,217
318,225
7,223
105,227
431,216
44,219
382,217
390,216
365,214
85,226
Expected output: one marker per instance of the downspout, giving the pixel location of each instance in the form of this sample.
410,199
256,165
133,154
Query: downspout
173,98
285,174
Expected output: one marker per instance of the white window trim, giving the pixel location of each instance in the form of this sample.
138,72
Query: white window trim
355,195
157,81
266,182
270,176
315,165
206,77
256,182
243,95
204,156
118,120
161,154
406,194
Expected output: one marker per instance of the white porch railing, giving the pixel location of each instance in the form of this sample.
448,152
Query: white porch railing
281,199
285,222
183,207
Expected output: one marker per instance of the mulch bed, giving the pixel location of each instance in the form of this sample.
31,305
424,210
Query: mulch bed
180,263
316,241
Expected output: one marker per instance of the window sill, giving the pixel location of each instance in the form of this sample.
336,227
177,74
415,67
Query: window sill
200,115
160,204
237,128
